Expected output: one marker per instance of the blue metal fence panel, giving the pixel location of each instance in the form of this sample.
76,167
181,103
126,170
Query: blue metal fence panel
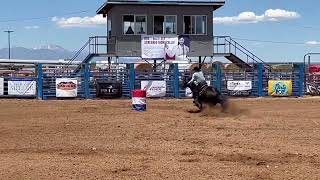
51,72
115,73
167,75
240,76
18,72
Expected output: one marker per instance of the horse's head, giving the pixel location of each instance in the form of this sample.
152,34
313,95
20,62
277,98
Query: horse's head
185,80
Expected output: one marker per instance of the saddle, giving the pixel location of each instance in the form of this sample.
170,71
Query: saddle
203,87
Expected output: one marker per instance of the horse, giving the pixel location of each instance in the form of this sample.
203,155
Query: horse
206,94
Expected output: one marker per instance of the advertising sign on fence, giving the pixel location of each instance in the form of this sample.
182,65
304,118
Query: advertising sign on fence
22,87
1,86
280,87
154,88
66,87
169,47
239,88
189,92
313,89
107,89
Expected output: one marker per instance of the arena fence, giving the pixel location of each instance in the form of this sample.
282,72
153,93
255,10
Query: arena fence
93,81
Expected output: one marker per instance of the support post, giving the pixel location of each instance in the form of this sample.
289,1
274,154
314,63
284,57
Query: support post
260,80
301,79
176,81
86,80
40,82
218,77
132,79
154,65
200,63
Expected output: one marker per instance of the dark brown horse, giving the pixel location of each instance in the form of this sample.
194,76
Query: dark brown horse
206,94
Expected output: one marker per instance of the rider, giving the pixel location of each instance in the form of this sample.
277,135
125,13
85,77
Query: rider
199,80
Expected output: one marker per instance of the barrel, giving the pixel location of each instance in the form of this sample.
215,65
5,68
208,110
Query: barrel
139,100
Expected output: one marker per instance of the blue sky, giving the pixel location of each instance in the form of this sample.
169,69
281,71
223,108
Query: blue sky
41,22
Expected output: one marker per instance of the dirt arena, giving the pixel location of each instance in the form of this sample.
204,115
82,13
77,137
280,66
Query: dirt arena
260,139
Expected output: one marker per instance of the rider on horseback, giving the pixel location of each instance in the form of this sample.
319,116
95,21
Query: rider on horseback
198,80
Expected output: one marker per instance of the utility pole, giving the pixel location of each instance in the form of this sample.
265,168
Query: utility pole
8,31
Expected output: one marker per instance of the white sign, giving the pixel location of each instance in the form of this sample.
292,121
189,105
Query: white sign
153,46
239,85
189,92
1,86
22,87
154,88
168,47
66,87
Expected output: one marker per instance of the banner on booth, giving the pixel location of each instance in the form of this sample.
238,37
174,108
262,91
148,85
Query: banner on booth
154,88
66,87
189,92
1,86
169,47
239,88
280,87
22,87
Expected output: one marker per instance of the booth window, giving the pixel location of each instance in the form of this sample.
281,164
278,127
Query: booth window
171,25
195,25
165,25
109,27
158,22
141,24
134,24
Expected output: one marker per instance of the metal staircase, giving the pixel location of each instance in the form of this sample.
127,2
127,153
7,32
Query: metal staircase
95,47
227,47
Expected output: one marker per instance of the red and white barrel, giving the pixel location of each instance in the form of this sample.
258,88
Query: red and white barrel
139,100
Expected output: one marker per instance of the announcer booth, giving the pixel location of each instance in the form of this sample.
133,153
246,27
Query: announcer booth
160,31
163,30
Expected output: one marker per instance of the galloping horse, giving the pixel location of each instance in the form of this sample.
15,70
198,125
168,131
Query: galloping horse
207,94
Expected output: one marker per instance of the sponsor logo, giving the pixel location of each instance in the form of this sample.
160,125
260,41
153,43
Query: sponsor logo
109,90
66,86
156,88
280,88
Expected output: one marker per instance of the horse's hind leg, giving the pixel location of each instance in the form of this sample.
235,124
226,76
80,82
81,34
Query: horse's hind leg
223,102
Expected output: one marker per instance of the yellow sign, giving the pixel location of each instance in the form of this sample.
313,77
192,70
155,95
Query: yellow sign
279,88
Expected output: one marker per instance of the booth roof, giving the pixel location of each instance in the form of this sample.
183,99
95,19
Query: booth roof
108,5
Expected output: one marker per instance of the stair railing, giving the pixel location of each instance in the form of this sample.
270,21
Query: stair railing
230,46
95,45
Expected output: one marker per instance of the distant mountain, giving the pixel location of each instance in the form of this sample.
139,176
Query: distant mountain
48,52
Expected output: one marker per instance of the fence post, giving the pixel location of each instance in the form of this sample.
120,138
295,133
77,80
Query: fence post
86,81
132,78
176,81
40,82
301,79
260,80
218,77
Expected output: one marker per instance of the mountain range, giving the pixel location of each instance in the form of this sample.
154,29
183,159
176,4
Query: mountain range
48,52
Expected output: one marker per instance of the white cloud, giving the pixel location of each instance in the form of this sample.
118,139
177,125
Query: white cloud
312,43
79,21
251,17
31,27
